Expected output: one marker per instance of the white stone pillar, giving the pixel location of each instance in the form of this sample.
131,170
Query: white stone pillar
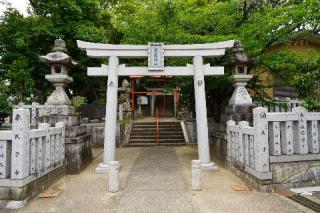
111,116
196,175
201,115
113,177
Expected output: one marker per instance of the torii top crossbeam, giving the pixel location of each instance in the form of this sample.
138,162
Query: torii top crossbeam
156,52
98,50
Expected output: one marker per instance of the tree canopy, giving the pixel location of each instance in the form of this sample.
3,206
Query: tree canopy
257,24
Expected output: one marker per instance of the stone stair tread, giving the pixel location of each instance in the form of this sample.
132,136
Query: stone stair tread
153,140
155,144
146,125
155,132
154,128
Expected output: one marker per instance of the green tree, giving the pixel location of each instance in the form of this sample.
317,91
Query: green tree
257,24
5,106
299,72
34,35
22,83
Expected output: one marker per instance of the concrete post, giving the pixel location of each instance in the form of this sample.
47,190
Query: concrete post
196,175
113,176
201,115
111,116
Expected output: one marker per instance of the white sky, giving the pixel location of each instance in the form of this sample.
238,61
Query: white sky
21,5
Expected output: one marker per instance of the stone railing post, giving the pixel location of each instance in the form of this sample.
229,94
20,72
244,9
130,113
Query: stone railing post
34,113
287,138
196,175
113,177
301,144
313,140
241,145
61,141
5,149
47,146
20,144
275,144
261,146
229,140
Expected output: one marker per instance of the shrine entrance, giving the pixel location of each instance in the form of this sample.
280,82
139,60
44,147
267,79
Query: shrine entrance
165,105
153,97
156,52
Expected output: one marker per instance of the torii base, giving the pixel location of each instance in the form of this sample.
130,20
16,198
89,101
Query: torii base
103,168
209,166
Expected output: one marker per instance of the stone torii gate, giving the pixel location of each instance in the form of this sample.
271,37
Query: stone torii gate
156,52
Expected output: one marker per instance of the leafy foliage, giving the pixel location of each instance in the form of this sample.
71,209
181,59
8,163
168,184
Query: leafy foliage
256,23
5,106
299,72
23,39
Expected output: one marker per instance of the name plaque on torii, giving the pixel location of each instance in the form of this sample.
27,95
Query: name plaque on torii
156,53
156,57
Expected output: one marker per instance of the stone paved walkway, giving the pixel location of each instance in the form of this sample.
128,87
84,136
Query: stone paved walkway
155,184
156,179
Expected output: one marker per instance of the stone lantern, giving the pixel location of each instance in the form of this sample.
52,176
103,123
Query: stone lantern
58,108
59,61
240,63
240,104
124,102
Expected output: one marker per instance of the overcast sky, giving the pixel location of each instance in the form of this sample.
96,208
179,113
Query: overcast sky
21,5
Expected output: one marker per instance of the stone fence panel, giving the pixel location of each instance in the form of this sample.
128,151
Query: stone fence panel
279,137
25,154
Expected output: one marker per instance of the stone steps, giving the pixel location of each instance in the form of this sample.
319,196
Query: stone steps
154,144
145,134
151,133
155,137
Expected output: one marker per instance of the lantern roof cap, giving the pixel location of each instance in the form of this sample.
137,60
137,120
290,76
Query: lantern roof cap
59,55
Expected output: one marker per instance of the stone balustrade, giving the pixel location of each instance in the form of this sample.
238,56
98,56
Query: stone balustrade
28,154
274,138
37,110
34,111
285,105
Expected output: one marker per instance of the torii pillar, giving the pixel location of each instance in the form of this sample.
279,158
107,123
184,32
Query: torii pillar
201,115
111,116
